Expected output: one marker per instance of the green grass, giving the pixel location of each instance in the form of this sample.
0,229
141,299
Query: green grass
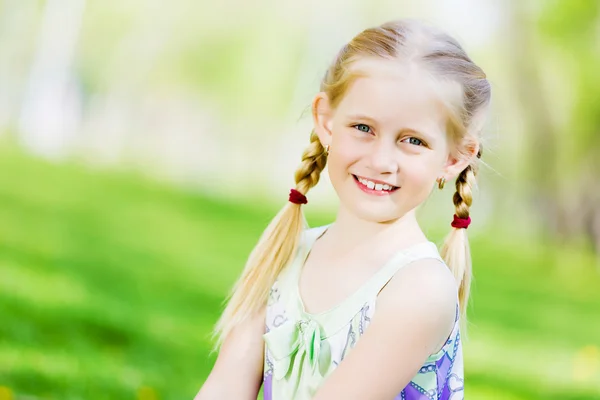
110,284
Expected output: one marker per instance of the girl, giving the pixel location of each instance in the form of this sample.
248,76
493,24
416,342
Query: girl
366,308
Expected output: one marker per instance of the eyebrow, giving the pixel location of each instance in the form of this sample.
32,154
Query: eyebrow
363,117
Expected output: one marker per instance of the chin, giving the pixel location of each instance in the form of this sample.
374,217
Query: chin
374,213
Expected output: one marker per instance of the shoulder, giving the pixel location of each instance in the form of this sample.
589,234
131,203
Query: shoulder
310,234
426,275
414,315
307,237
424,289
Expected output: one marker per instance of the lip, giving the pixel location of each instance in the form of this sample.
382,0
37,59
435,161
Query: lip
373,191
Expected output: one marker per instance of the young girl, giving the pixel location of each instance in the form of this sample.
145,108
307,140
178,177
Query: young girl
366,308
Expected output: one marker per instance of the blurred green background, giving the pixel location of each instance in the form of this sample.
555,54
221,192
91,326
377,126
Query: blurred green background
144,146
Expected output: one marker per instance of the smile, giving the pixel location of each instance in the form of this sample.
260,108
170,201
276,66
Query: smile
374,187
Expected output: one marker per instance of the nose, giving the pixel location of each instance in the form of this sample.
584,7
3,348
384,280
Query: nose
383,158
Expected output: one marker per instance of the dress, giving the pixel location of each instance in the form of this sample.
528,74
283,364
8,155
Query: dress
302,349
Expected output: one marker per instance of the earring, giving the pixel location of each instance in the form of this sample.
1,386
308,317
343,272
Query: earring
327,149
441,181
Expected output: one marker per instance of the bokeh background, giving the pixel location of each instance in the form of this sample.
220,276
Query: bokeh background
145,144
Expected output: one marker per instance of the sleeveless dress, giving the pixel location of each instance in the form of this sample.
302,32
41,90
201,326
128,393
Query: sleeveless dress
302,349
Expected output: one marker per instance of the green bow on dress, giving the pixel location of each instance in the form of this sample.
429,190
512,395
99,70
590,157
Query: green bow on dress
300,355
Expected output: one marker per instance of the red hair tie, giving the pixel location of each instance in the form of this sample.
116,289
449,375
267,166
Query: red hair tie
297,198
459,223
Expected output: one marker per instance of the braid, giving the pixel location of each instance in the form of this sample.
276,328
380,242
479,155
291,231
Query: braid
314,160
463,198
455,250
466,180
275,248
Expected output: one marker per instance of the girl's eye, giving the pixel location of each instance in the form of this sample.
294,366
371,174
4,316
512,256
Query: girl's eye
414,141
363,128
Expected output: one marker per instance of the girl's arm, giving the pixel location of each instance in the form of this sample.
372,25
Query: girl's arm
415,315
237,373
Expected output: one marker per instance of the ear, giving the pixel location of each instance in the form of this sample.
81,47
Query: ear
322,118
459,160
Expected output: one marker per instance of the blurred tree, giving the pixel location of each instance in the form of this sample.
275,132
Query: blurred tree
50,112
540,160
558,56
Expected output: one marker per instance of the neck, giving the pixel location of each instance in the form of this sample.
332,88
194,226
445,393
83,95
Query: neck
354,231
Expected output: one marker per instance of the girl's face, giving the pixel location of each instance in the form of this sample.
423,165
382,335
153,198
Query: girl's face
388,142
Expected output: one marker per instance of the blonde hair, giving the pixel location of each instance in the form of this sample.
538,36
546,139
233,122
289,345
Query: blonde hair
403,40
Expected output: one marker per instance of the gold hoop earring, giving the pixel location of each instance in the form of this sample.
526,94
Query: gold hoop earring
327,149
441,182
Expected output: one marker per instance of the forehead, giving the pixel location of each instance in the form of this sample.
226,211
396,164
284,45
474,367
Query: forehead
396,95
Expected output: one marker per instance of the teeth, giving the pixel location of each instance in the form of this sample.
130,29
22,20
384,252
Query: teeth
375,186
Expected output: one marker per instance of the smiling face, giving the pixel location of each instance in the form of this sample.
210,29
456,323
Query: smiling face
388,141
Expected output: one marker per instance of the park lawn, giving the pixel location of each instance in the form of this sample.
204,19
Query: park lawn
110,283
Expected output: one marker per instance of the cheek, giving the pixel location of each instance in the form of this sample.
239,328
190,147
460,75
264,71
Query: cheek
422,173
345,150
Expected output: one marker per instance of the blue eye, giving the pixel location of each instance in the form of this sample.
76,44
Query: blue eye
362,128
414,141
